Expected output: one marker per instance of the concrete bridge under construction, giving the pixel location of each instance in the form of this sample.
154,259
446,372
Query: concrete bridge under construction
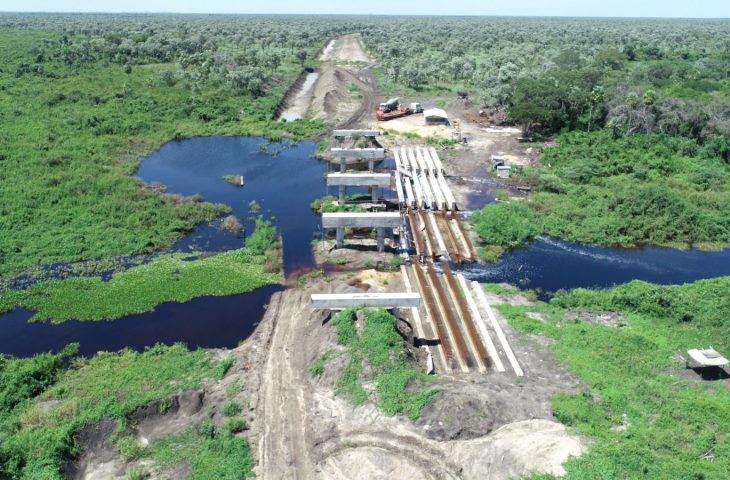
381,221
452,317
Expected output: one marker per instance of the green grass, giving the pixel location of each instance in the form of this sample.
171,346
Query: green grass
394,377
73,137
222,457
36,439
167,278
500,289
329,204
317,367
231,409
672,422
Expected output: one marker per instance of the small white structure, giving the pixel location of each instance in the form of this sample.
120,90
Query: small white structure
503,171
706,358
435,116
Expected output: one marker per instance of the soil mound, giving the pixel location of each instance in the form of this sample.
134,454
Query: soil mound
329,92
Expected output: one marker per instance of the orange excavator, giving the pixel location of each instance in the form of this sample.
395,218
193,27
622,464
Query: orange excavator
394,109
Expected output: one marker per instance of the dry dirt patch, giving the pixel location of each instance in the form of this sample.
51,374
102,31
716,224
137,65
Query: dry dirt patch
348,48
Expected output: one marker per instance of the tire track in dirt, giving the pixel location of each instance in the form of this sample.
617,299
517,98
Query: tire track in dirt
283,451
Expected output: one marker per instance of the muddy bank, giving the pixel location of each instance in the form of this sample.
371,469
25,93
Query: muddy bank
294,91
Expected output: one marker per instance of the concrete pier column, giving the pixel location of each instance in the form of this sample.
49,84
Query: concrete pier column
343,164
374,193
381,239
341,237
371,164
343,193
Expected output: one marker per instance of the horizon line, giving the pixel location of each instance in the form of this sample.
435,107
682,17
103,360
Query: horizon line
92,12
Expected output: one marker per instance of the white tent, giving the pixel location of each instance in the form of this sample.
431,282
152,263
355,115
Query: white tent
435,115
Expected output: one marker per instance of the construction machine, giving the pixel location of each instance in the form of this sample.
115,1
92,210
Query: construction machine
394,109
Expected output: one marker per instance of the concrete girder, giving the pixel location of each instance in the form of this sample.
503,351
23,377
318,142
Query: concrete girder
361,220
370,300
359,179
355,133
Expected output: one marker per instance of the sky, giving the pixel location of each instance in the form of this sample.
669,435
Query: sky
585,8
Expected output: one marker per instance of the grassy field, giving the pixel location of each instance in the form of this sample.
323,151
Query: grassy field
381,348
43,404
648,416
210,453
73,136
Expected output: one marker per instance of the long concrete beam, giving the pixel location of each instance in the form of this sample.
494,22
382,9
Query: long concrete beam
356,133
359,179
436,160
372,300
366,153
361,220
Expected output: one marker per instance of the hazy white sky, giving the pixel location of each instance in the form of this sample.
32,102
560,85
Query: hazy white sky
598,8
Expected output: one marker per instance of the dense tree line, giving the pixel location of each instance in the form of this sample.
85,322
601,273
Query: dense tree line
634,76
246,53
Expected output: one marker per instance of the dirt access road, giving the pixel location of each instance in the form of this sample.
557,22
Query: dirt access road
345,92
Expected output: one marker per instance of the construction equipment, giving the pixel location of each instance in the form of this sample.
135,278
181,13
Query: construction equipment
394,109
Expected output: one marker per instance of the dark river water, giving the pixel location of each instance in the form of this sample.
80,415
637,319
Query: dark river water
284,179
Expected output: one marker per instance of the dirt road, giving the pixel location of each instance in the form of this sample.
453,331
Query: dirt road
282,402
344,93
347,48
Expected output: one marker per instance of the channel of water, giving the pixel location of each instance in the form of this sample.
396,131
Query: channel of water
284,179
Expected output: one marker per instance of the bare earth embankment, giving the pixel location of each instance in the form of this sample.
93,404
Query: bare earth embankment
479,426
344,91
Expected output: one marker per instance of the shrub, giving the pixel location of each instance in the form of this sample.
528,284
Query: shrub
231,409
24,379
263,238
207,430
506,224
130,449
236,425
224,367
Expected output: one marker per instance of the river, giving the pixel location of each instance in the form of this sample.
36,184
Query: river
284,178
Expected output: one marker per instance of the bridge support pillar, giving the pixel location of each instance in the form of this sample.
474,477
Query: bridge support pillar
381,239
340,237
343,164
343,193
374,193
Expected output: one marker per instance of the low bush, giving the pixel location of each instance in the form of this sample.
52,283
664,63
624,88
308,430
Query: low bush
506,224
